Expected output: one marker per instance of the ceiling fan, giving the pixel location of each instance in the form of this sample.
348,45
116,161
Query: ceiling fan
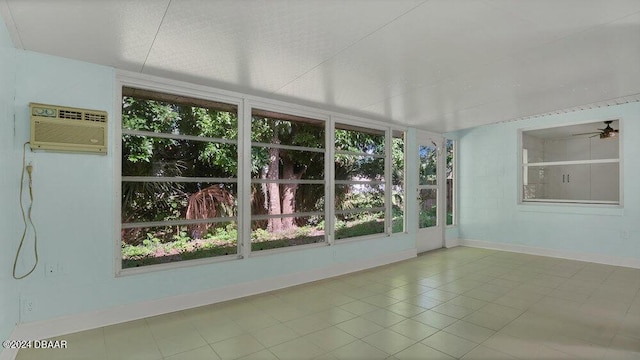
606,133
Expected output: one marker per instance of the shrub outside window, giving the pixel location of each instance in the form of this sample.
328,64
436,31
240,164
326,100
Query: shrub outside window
179,185
181,190
287,177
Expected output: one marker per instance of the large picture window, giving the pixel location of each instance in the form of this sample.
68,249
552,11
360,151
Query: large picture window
287,177
572,164
359,181
202,177
179,178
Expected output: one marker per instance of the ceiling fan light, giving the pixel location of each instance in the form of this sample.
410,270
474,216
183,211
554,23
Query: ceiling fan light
609,135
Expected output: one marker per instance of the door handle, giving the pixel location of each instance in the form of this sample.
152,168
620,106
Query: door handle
562,177
568,178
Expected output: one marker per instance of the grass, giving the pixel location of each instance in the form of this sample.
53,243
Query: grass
224,242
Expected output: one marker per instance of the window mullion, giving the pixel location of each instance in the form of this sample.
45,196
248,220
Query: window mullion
330,183
387,179
244,179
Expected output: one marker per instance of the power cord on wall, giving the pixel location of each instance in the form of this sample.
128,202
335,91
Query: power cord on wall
26,217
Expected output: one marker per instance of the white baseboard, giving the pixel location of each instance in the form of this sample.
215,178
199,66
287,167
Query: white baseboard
557,253
91,320
451,243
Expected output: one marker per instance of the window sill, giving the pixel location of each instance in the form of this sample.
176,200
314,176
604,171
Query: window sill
572,208
176,265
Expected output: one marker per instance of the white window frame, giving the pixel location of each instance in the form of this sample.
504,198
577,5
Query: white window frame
523,167
454,190
257,105
244,104
387,232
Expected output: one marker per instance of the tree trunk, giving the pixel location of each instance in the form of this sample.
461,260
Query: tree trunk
289,191
273,173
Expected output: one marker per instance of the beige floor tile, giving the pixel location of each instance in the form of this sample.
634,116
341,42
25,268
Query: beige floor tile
359,327
521,303
405,309
237,347
336,315
630,326
330,338
623,348
449,344
453,310
308,324
488,320
180,342
577,348
520,306
484,353
380,301
424,301
435,319
138,348
382,317
467,302
414,329
285,313
260,355
523,349
484,295
441,295
297,349
358,350
256,321
469,331
420,351
407,291
201,353
358,307
389,341
274,335
218,332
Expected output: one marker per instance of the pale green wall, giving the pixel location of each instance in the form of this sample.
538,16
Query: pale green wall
9,170
74,212
489,209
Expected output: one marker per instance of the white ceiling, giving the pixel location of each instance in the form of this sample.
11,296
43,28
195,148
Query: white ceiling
440,65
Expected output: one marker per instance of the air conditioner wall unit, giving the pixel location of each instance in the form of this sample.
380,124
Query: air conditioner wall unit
61,128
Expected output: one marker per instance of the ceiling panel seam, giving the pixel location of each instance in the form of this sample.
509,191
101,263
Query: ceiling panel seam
349,46
155,36
11,24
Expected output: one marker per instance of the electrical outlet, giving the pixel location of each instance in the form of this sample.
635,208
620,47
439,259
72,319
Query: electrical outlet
50,269
54,269
624,235
27,305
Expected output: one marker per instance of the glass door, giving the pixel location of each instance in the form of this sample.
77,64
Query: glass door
430,192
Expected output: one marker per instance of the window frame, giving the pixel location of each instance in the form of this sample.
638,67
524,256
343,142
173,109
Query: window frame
262,106
560,203
244,104
386,156
454,190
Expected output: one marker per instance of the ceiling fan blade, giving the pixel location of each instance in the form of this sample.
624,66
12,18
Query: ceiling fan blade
589,133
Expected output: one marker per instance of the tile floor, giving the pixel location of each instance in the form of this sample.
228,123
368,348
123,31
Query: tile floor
460,303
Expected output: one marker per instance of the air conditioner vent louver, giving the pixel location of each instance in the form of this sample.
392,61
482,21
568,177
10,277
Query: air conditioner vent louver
95,117
68,129
72,115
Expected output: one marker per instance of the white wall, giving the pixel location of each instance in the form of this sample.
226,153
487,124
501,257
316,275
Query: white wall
488,189
74,213
9,170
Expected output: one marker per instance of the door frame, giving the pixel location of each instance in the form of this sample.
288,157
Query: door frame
432,238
